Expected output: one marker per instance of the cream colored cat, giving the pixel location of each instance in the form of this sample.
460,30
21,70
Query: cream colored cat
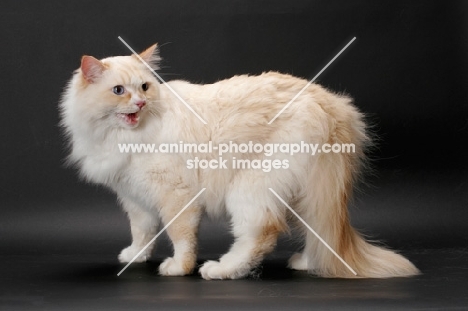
118,100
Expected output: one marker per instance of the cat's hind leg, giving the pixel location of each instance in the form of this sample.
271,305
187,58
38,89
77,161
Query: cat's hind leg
143,225
298,261
255,228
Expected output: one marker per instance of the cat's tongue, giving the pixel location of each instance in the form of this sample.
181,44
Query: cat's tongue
131,118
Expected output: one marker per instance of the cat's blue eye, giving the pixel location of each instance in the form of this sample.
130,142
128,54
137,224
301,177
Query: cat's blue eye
145,87
118,90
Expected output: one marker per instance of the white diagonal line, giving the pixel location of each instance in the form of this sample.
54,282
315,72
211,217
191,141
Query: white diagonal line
312,81
162,230
161,79
312,230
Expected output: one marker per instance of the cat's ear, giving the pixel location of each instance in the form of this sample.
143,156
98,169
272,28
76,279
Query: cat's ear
91,68
151,56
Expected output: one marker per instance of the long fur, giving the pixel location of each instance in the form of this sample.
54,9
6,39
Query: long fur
154,187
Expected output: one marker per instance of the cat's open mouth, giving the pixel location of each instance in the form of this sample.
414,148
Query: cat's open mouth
130,118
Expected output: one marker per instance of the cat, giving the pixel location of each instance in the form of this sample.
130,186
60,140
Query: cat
118,100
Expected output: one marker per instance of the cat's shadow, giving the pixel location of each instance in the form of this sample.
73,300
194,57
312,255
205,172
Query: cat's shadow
270,269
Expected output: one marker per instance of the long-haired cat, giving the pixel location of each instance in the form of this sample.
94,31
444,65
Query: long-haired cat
118,100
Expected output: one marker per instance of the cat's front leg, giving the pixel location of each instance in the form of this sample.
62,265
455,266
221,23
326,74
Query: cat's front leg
144,225
182,232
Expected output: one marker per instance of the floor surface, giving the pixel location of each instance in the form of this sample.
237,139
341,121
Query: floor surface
62,255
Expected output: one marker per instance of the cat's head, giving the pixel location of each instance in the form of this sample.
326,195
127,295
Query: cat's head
115,92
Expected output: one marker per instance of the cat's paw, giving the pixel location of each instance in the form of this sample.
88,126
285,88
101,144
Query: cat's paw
173,267
127,254
298,262
212,270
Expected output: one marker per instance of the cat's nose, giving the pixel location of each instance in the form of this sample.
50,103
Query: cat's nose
140,103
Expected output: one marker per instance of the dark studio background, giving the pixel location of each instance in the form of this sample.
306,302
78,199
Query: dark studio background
407,70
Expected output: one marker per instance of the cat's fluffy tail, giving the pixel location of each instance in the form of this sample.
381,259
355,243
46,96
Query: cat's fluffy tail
324,207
